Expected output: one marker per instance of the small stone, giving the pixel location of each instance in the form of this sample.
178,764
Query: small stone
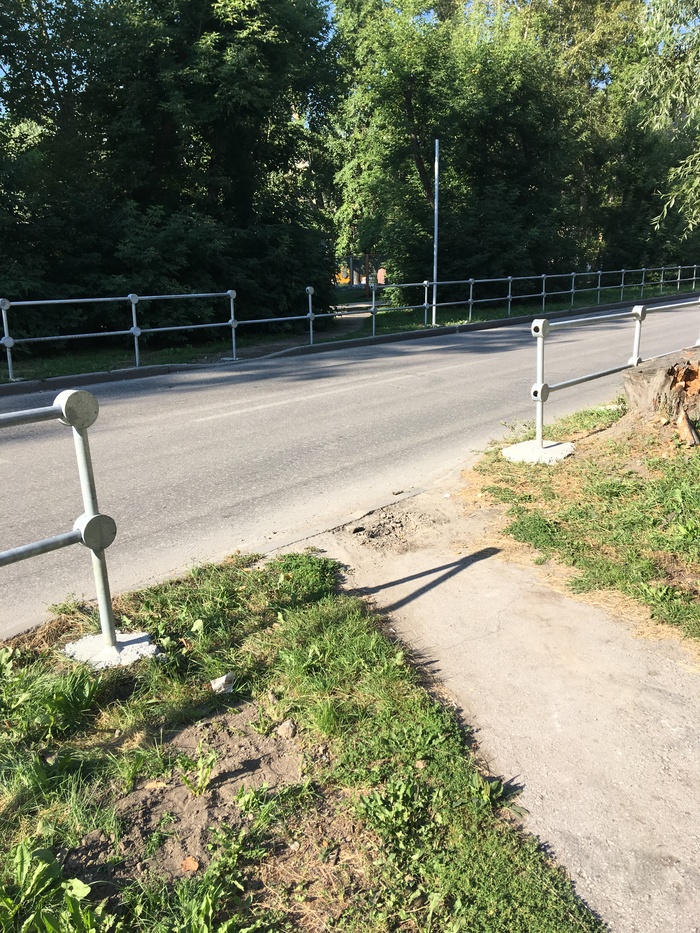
286,729
189,865
294,846
421,763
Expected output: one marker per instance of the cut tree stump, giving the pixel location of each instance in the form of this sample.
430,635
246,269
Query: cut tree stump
670,387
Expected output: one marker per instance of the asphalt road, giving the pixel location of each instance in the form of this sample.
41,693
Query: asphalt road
257,455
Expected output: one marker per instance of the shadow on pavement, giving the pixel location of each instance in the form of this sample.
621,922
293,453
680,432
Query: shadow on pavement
446,571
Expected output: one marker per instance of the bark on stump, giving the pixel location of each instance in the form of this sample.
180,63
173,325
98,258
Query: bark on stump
670,387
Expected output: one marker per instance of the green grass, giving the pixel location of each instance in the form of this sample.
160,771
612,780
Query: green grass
624,511
438,855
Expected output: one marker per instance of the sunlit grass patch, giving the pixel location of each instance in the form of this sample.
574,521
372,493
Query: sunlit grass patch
389,823
624,511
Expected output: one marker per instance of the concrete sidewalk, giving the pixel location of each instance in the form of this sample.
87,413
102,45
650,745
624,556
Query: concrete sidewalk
596,722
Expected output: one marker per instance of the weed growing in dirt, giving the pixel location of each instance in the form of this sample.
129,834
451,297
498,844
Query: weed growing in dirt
382,822
195,772
623,511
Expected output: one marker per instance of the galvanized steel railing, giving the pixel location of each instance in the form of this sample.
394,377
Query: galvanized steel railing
541,328
8,341
540,288
548,286
79,410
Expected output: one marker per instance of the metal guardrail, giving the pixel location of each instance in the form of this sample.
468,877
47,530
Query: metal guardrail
547,286
541,328
8,341
540,288
79,410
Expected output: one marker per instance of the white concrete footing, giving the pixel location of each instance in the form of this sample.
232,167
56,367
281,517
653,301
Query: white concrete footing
131,646
531,452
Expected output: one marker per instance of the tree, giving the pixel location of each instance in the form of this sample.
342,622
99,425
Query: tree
505,128
158,145
671,84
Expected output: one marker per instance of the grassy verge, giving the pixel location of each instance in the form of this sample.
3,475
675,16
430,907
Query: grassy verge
388,824
624,510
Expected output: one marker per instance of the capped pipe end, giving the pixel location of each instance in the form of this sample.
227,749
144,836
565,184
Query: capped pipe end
97,532
79,408
540,392
309,289
540,327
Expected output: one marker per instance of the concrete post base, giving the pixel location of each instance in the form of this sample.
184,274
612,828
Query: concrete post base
530,452
131,646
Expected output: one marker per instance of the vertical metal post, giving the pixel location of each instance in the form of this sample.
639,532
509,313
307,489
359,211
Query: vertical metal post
573,287
698,340
510,292
540,391
426,285
232,321
311,315
7,340
135,330
374,310
661,281
471,298
622,286
544,290
639,312
600,274
99,562
435,229
695,274
80,411
678,280
644,272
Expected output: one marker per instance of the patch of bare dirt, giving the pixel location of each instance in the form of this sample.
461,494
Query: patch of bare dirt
165,825
399,528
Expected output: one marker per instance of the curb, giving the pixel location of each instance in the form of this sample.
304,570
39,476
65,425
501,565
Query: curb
144,372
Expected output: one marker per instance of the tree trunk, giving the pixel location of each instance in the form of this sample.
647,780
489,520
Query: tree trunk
669,387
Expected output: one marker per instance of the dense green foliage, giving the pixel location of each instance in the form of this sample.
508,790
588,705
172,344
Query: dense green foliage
548,159
161,146
155,146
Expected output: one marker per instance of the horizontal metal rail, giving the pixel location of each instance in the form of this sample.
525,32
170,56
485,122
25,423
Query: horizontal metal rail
44,546
79,410
13,418
541,329
480,292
